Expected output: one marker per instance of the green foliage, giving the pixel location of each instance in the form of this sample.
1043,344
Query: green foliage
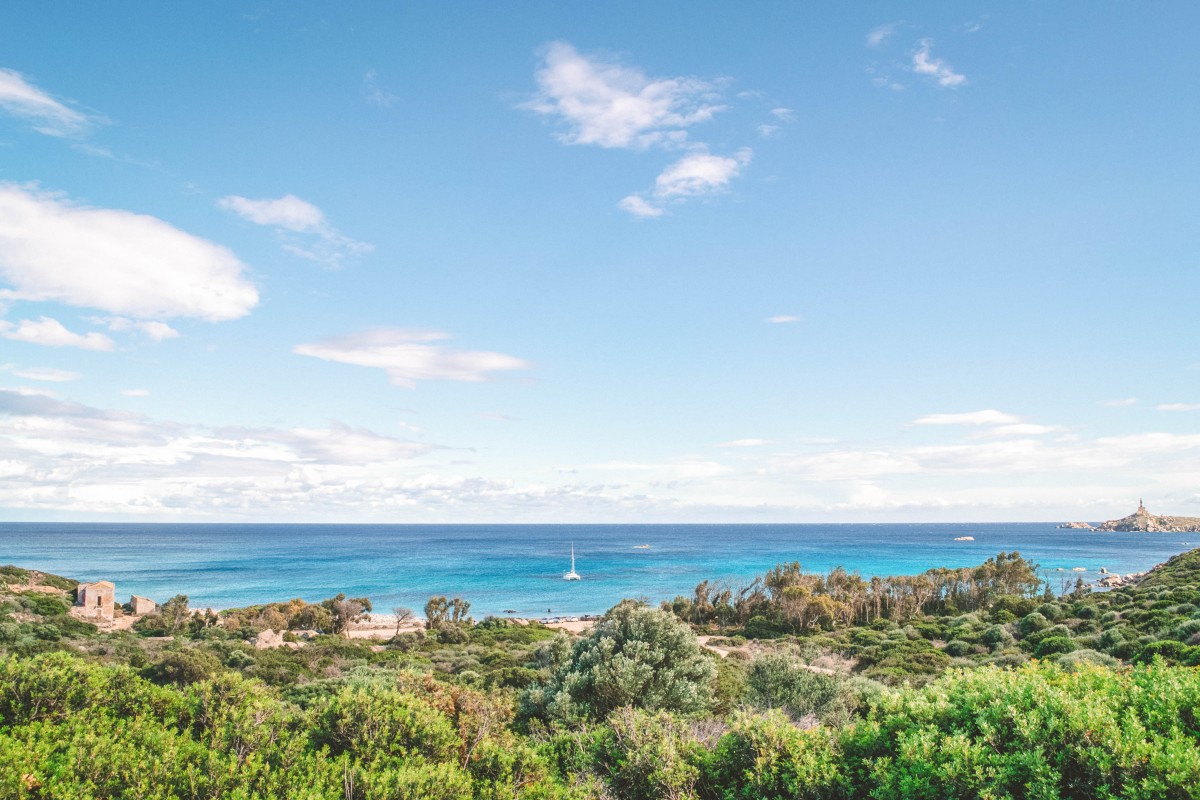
782,681
647,755
636,656
1038,733
766,757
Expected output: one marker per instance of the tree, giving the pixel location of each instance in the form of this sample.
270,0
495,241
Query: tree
345,611
174,614
636,656
403,614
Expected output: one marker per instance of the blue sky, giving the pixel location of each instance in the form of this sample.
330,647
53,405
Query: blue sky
609,262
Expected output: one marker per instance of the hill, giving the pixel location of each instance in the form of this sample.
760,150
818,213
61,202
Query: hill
1144,522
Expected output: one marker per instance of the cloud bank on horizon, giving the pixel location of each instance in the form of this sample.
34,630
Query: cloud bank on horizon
814,267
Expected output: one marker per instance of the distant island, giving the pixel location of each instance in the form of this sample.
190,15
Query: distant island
1145,522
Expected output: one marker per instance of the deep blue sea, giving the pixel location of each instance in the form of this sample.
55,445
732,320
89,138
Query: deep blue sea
520,567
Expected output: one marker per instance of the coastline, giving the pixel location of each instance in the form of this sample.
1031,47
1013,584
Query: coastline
520,568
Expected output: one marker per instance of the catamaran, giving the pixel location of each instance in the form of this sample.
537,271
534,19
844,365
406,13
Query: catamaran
572,575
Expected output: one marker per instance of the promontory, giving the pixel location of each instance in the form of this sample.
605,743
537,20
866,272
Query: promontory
1143,521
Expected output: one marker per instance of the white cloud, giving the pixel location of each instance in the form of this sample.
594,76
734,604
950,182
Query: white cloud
22,99
783,319
409,356
877,36
924,64
1128,401
135,392
1022,429
609,104
115,261
637,205
1178,407
746,443
987,417
290,213
700,173
47,374
769,131
152,329
52,333
785,114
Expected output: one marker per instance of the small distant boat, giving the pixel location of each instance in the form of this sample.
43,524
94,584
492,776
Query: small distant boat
572,575
1078,569
641,547
964,538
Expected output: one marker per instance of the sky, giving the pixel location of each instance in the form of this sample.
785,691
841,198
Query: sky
610,262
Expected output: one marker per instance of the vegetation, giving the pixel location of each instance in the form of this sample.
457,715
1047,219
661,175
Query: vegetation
952,684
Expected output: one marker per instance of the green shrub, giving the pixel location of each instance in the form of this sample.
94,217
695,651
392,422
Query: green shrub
1032,623
636,656
958,648
647,755
1053,645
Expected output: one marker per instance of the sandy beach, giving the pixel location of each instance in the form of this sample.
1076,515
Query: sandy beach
383,626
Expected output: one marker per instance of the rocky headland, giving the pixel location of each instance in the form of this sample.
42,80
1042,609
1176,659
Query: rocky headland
1145,522
1085,526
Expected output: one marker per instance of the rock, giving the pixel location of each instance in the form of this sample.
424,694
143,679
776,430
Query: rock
268,640
1080,525
1142,521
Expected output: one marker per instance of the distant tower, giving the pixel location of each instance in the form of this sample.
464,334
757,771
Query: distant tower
1141,507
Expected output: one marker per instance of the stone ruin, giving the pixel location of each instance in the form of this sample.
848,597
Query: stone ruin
142,605
95,600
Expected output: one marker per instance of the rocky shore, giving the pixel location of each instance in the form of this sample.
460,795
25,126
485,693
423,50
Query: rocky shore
1143,521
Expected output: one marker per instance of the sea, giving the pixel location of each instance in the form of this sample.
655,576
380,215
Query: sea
518,569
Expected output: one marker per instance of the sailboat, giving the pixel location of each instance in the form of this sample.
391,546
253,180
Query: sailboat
572,575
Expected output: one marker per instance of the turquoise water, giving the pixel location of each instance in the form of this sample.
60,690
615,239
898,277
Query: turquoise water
519,567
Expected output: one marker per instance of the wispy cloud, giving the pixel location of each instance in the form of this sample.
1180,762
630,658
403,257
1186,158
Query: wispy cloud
135,392
20,98
151,329
986,417
746,443
783,319
698,174
1178,407
1128,401
136,265
290,214
410,356
50,332
375,94
637,205
923,63
878,35
603,102
48,374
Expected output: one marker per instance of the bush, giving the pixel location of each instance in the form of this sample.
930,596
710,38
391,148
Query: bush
958,648
996,636
1053,645
1032,623
182,667
765,757
647,756
779,680
636,656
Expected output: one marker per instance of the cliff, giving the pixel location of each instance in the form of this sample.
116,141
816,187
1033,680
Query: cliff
1143,521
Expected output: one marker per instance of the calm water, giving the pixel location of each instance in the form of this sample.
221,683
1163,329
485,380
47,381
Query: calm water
519,567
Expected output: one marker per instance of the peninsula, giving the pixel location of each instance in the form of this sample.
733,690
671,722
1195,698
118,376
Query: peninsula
1143,521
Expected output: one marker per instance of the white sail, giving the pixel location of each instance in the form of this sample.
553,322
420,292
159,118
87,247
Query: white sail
572,575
